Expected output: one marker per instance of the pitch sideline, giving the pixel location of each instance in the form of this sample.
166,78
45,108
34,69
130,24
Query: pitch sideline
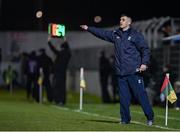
114,118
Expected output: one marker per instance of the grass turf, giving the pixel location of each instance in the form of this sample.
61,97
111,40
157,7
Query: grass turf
16,113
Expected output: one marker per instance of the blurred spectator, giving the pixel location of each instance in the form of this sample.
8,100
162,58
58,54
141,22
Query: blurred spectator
177,90
114,82
104,72
46,64
150,78
60,70
167,30
24,66
9,76
32,76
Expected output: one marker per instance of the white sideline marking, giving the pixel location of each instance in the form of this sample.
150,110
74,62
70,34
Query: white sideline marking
114,118
160,116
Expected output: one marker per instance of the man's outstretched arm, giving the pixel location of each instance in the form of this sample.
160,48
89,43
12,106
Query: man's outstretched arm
100,33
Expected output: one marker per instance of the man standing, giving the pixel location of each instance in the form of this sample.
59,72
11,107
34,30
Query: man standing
131,59
60,68
46,63
104,74
32,76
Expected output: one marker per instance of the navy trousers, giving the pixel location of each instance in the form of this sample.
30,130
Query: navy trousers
134,83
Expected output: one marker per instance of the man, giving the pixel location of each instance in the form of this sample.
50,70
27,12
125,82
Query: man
9,76
113,80
60,69
32,76
104,74
131,59
46,64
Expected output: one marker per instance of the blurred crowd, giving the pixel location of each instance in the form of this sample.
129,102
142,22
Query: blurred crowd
53,79
36,70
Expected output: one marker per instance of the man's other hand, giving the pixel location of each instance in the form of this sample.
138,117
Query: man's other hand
142,68
85,27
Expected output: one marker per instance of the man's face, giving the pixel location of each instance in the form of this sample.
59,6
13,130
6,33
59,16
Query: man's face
124,22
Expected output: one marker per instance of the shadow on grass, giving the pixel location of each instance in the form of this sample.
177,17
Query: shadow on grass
104,121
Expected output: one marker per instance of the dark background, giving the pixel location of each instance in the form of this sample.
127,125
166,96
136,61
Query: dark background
20,14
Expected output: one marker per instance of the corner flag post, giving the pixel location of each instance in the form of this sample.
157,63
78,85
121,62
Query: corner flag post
81,99
170,94
166,116
82,86
40,83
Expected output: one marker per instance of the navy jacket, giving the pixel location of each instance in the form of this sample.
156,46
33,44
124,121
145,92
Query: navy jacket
131,49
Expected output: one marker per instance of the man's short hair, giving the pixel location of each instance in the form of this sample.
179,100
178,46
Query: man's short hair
126,15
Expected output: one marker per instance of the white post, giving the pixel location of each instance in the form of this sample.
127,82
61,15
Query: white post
81,98
40,85
40,94
81,89
166,116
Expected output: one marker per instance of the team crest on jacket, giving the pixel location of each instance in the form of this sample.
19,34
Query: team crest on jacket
139,81
129,38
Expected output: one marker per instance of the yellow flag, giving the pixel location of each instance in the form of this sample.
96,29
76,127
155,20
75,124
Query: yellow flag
82,80
41,77
40,81
172,96
82,83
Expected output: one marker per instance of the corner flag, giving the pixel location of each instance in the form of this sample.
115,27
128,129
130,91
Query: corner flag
82,87
168,90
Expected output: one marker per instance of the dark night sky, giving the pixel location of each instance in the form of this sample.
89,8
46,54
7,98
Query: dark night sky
20,14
